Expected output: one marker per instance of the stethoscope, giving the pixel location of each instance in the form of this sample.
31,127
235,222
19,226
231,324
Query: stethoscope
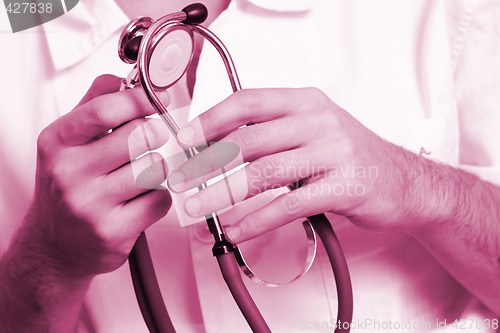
149,44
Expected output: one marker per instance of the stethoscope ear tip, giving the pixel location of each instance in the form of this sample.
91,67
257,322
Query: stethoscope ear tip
196,13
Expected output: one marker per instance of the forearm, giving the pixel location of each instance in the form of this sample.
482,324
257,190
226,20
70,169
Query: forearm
35,296
459,224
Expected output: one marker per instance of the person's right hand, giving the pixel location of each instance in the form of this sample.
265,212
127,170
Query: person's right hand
91,203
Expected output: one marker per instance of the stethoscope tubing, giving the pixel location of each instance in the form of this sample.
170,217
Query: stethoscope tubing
147,289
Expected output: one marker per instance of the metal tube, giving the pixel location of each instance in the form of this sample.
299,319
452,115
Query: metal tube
223,52
143,67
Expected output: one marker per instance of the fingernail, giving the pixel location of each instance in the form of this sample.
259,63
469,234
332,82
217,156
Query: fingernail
233,233
186,135
193,206
176,178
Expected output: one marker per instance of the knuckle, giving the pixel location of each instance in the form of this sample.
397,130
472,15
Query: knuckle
322,102
103,81
251,138
45,142
208,121
100,108
62,175
266,169
99,81
347,149
315,93
52,140
331,116
256,223
284,128
330,123
249,98
291,203
105,232
85,199
82,205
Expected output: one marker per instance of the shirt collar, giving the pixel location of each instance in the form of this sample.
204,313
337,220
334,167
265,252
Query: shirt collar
74,35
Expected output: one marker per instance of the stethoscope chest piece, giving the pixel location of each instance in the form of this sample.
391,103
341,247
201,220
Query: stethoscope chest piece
171,55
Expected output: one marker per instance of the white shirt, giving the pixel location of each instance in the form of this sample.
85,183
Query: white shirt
45,61
405,70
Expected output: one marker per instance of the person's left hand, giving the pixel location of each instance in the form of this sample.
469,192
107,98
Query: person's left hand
300,134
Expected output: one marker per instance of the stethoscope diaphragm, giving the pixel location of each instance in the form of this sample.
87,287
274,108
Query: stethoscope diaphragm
170,56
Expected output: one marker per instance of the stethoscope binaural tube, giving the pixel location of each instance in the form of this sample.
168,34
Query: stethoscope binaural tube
137,44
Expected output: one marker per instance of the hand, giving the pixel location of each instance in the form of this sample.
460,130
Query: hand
300,135
91,202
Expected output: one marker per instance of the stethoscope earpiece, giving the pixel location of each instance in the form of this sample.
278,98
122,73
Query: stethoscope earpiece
162,51
131,37
196,13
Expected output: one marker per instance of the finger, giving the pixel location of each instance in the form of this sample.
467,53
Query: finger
103,113
299,203
125,144
241,108
211,162
102,85
270,172
270,137
135,178
141,212
254,142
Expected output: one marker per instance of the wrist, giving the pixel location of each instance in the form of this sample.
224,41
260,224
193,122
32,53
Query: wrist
68,246
434,194
35,292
